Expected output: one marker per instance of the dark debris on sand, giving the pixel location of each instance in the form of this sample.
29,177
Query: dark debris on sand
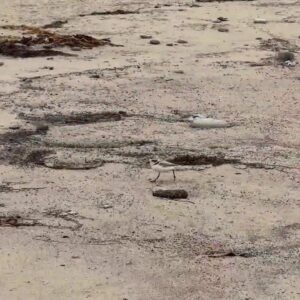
38,42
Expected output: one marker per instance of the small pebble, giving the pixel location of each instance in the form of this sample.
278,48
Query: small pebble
1,64
179,72
260,21
170,44
154,42
145,36
14,127
222,19
95,76
182,42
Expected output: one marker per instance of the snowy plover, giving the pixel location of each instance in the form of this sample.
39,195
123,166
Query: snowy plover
162,166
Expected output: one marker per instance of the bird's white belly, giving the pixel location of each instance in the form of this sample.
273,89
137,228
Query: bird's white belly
209,123
163,169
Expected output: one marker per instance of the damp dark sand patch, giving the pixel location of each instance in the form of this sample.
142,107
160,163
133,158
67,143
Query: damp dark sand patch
287,230
22,147
194,160
25,155
278,44
37,156
77,118
200,245
215,160
55,24
88,144
16,136
30,157
8,188
40,42
190,246
16,221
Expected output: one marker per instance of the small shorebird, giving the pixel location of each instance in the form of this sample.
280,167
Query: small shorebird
162,166
200,121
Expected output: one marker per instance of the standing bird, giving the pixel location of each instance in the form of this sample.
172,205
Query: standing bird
162,166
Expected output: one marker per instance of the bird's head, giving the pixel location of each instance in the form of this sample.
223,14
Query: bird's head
195,117
153,161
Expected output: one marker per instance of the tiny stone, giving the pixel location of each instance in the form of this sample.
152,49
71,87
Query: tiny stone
154,42
145,36
14,127
182,42
1,64
179,72
290,21
222,19
170,44
106,206
95,76
260,21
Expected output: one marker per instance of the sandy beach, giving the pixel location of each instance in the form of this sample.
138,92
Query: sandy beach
90,91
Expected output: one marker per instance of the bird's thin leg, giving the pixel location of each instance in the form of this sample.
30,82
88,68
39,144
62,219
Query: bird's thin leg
154,180
174,175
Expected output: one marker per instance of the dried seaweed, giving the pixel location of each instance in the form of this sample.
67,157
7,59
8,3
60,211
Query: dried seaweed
55,24
26,46
14,49
113,12
16,221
